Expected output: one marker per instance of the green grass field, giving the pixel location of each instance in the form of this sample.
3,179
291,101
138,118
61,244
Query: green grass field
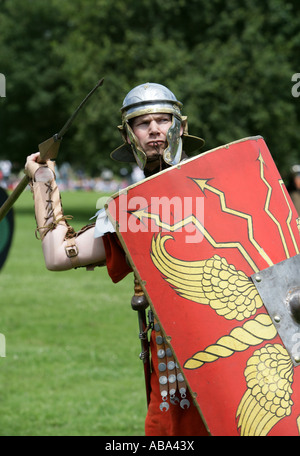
71,365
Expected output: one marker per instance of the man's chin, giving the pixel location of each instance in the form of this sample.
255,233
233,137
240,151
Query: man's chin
154,158
154,167
155,155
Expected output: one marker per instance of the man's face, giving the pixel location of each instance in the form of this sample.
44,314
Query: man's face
297,181
151,131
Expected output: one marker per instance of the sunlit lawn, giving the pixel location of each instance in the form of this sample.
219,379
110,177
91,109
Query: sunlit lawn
71,365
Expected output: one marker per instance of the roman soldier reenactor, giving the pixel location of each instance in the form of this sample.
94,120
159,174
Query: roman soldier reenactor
155,136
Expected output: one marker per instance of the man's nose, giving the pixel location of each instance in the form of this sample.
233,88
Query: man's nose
153,127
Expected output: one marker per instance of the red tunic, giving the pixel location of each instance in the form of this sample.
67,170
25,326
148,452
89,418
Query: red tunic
176,421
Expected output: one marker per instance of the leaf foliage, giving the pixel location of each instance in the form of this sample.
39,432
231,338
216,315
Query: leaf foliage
230,63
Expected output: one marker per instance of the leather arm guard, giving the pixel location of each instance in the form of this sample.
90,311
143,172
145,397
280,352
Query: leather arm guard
48,209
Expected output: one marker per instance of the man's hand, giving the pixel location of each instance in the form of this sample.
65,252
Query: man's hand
40,172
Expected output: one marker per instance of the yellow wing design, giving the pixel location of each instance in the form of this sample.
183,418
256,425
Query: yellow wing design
253,332
212,281
269,376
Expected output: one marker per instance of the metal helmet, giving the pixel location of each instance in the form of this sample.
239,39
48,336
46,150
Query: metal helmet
146,99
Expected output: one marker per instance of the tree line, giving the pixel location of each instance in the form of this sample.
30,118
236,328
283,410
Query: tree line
230,63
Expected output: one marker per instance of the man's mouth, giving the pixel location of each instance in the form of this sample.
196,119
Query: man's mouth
155,144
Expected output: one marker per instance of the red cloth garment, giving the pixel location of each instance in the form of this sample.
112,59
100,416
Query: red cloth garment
176,421
116,263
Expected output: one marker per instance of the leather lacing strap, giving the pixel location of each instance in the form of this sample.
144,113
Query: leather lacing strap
51,226
50,214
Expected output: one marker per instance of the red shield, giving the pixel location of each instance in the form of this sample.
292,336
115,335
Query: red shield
194,235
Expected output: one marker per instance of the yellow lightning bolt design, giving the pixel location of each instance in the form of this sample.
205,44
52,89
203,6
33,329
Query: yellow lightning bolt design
289,218
267,203
143,213
202,183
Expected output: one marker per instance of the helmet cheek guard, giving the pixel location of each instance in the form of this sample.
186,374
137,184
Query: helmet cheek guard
148,99
138,153
173,152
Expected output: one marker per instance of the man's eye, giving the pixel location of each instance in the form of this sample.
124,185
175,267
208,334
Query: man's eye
141,122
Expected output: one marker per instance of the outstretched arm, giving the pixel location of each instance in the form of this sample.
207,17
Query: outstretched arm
63,248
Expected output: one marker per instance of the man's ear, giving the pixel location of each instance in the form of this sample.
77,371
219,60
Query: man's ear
184,125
